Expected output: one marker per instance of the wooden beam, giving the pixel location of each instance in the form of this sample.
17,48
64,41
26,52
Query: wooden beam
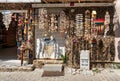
45,1
16,11
63,1
75,5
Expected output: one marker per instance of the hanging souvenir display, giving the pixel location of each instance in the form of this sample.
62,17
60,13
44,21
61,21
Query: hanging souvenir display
67,26
106,23
93,28
43,18
53,23
20,35
30,35
87,28
71,27
79,25
62,27
100,26
25,21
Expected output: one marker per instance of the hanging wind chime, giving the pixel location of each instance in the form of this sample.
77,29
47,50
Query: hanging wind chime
53,23
62,27
106,23
93,28
79,25
87,24
7,15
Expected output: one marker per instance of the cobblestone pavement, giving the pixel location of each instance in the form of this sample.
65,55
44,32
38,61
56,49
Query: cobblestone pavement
105,75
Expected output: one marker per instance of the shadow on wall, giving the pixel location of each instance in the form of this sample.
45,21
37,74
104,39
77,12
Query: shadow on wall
118,48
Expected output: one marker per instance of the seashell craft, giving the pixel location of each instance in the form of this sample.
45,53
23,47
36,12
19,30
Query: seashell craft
63,22
79,25
87,22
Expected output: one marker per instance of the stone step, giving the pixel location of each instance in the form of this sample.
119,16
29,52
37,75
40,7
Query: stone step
53,67
38,63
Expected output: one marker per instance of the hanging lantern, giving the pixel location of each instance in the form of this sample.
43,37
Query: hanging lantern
6,18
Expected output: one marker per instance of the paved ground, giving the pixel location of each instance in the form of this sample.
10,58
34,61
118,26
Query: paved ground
36,75
105,75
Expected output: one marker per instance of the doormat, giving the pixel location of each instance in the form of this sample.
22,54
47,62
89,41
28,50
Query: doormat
52,73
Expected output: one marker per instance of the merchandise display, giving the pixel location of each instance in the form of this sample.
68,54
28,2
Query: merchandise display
82,31
62,27
43,19
79,25
25,36
87,23
53,23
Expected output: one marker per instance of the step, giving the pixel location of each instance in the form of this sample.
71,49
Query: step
38,63
53,67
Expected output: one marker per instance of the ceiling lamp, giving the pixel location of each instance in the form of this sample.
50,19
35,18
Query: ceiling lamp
6,18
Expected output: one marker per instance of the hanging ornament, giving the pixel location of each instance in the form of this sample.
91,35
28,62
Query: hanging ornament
94,13
87,22
7,18
62,23
106,23
43,18
53,23
107,18
79,25
93,17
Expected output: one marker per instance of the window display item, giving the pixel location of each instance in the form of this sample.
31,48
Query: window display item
43,18
53,23
79,25
62,27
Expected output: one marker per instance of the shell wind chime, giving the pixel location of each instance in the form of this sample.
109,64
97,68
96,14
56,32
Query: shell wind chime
62,27
53,23
79,25
7,16
43,18
87,24
93,28
107,22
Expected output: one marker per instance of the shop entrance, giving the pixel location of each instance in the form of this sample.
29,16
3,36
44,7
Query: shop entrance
9,38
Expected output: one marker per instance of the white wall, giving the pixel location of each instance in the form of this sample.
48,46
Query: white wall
117,31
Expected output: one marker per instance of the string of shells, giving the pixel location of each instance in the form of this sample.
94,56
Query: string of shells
79,25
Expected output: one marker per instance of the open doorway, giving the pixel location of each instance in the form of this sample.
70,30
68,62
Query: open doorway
9,38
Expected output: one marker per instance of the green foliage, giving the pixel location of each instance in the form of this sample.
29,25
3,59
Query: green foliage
64,58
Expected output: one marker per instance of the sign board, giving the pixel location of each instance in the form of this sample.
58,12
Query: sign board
85,59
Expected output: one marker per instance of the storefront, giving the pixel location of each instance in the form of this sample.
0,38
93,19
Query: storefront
82,26
60,31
